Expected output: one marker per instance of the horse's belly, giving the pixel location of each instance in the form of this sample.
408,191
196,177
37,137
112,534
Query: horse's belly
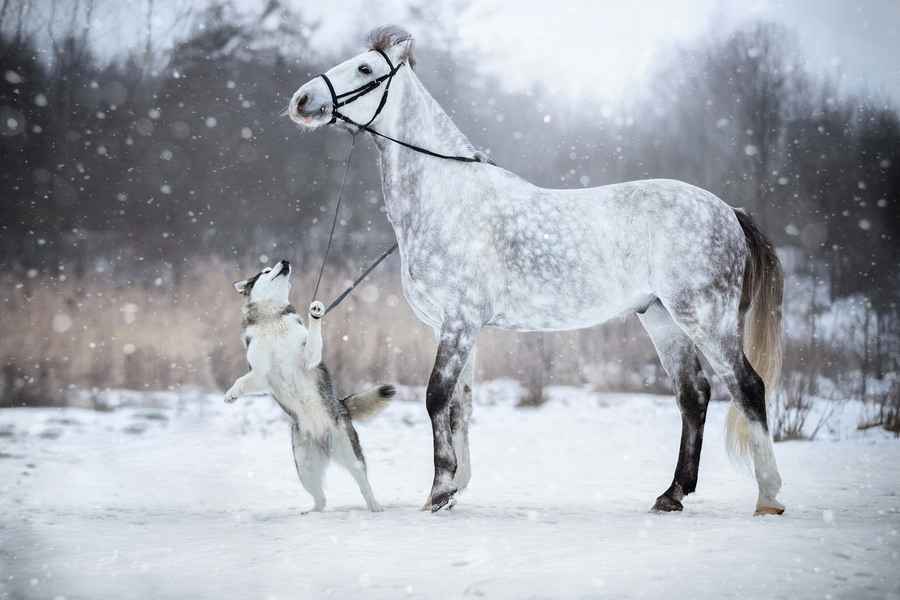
558,313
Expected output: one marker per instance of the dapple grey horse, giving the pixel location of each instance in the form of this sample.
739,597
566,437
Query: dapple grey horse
481,247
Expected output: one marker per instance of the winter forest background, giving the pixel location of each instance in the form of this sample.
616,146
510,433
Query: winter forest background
135,188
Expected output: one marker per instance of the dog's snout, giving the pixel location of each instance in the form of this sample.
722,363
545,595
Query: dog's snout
286,264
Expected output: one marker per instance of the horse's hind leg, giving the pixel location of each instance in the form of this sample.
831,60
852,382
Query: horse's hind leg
719,336
679,358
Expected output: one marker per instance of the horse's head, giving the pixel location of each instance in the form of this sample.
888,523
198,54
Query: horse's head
357,86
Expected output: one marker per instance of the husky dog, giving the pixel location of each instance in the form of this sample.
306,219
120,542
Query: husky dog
286,361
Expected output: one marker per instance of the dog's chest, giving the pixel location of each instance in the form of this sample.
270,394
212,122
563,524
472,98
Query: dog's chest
277,353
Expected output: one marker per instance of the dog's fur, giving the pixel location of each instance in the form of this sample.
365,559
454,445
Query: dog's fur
286,361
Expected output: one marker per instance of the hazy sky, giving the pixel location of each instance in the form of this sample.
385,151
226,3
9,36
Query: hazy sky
595,48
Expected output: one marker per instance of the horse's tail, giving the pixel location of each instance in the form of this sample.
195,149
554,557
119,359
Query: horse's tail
761,302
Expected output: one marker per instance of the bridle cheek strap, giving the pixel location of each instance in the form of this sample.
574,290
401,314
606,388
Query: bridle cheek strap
345,98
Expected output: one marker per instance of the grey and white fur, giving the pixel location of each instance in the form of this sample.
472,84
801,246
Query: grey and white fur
286,361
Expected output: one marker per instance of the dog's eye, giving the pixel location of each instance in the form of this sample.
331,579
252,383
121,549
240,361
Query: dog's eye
365,69
267,270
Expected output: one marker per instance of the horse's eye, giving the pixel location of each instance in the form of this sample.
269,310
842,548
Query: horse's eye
267,270
365,69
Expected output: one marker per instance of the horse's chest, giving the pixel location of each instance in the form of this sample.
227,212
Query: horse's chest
422,292
439,278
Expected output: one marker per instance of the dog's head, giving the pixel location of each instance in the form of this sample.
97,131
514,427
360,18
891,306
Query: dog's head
272,284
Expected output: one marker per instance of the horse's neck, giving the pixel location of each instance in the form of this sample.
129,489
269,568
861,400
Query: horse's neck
413,116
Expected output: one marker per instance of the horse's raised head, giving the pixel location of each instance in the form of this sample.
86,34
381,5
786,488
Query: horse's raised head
357,87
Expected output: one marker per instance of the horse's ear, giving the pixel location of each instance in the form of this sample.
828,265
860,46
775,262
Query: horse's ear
394,40
405,51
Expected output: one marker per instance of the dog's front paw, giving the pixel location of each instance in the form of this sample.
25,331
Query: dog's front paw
317,310
231,395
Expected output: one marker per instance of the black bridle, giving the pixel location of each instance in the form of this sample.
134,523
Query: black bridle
345,98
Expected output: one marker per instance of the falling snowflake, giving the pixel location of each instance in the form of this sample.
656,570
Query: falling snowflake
61,322
129,312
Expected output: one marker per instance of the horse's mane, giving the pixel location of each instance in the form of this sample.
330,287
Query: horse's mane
382,38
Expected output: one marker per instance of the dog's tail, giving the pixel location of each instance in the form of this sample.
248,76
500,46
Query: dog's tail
368,404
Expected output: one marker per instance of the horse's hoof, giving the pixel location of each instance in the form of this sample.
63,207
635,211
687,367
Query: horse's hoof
768,510
768,507
666,504
439,501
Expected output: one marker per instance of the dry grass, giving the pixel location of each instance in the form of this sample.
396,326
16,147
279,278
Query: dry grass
102,331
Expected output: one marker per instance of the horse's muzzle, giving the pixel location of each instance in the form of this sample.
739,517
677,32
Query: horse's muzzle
309,108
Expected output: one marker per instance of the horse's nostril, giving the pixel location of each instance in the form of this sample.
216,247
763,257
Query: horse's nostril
301,101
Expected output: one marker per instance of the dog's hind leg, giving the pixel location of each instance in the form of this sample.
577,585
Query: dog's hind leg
310,458
349,454
680,359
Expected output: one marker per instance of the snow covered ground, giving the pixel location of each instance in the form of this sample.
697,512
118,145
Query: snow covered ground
191,498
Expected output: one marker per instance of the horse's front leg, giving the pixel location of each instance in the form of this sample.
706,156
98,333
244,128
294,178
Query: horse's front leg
457,340
460,415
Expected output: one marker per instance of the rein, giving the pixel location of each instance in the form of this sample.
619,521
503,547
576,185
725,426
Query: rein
345,98
337,209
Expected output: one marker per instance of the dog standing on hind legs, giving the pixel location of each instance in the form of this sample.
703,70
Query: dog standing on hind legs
286,361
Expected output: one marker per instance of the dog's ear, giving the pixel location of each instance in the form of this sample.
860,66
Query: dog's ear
242,286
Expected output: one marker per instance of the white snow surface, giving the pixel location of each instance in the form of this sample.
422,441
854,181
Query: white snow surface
182,496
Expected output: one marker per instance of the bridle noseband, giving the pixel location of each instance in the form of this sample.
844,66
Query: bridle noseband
345,98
